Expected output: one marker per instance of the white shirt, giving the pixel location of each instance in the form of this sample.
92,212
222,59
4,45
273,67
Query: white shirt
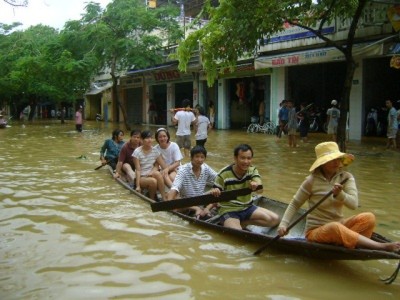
202,127
146,160
171,154
188,185
184,118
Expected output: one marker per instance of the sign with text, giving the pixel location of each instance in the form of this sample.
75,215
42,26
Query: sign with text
314,56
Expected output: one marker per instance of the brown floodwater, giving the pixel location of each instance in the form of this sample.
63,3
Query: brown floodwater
69,232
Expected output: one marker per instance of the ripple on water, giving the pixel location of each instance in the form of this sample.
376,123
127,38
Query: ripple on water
125,227
69,232
6,191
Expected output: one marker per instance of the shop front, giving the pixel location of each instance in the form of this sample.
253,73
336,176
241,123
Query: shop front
317,76
166,89
240,94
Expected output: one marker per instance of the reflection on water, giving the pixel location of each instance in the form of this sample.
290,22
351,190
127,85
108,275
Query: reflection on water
69,232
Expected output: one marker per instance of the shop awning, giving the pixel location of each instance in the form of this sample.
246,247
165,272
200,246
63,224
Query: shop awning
155,68
97,88
315,56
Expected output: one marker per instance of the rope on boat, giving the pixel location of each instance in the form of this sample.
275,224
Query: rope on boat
393,277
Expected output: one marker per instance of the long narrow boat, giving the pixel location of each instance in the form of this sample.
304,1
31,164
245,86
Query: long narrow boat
294,243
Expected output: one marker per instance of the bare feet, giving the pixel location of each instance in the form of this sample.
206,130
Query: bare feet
392,247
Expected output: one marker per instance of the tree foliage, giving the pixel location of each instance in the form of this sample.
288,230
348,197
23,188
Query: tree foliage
37,64
124,35
238,27
41,63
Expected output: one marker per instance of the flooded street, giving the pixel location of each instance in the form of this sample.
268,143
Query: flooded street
70,232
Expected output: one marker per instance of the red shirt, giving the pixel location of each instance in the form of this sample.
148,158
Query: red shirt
125,155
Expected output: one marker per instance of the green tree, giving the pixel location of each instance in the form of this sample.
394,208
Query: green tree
236,28
39,64
125,34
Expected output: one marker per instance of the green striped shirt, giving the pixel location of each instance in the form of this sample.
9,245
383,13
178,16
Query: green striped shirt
227,180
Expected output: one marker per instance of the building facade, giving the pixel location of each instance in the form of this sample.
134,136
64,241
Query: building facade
293,64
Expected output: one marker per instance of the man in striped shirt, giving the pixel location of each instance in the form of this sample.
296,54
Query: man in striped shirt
192,178
240,212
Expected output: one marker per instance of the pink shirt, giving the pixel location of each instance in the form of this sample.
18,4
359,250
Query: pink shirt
78,117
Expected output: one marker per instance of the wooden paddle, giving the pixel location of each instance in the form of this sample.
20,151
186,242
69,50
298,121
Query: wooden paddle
99,167
298,219
305,108
200,200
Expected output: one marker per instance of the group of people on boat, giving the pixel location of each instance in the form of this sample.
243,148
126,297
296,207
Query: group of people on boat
158,170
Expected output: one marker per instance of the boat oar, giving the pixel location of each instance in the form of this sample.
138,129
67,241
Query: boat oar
200,200
298,219
306,108
99,167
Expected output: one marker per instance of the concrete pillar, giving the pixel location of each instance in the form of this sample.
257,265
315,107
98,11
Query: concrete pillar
222,120
356,104
170,101
278,81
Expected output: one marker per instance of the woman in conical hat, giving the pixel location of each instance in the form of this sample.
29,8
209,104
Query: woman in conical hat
326,223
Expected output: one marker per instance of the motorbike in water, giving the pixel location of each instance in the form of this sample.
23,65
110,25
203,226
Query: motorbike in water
316,124
99,117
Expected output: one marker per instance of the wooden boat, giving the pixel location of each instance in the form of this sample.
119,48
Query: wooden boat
294,243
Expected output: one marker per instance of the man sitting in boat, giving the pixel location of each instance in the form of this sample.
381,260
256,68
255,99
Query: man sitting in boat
326,224
109,152
240,212
192,179
125,165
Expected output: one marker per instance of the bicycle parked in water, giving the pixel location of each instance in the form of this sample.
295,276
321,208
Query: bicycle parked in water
268,127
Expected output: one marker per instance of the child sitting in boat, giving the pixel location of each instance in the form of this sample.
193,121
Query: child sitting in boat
192,179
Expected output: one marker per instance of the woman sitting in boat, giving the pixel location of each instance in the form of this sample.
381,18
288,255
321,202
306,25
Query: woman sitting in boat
109,152
171,154
147,160
240,212
326,224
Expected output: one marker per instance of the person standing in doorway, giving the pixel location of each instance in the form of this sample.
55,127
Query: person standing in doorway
261,111
79,119
333,115
184,119
211,113
392,126
152,112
